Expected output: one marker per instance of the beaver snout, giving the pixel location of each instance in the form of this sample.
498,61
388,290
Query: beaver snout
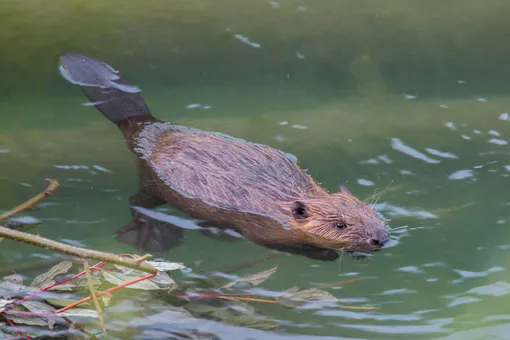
379,238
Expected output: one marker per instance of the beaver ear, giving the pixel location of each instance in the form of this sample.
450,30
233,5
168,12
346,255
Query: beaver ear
343,189
299,210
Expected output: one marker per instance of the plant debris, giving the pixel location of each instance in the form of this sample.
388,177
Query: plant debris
53,303
254,279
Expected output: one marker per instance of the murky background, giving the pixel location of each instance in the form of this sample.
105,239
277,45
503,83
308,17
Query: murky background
369,94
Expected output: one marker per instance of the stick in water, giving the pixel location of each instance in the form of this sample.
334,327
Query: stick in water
33,201
72,250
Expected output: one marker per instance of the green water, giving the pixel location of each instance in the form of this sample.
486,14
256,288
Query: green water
308,89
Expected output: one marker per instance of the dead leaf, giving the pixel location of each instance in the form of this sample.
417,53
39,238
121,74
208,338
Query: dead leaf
254,279
4,303
118,278
61,302
27,320
164,266
37,307
46,279
11,289
234,313
297,298
293,289
262,323
14,278
76,284
80,312
162,279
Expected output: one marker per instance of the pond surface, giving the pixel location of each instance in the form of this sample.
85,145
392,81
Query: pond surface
395,96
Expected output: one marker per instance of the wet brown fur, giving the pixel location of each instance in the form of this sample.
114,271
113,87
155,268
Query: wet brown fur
248,187
229,183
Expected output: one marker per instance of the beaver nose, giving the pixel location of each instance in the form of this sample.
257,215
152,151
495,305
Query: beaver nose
375,242
379,238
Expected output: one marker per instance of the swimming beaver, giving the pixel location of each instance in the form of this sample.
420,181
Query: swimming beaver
227,183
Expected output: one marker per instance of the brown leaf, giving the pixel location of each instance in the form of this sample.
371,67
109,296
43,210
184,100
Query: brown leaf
165,266
80,312
27,320
46,279
14,278
118,278
254,279
76,284
61,302
37,306
3,303
297,298
234,313
163,280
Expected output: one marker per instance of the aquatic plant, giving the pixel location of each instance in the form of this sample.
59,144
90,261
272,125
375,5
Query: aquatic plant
48,306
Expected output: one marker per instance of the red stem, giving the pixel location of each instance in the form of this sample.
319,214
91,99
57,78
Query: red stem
97,265
16,328
148,276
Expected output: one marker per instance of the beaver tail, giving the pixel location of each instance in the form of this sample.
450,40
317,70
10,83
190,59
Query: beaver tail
105,87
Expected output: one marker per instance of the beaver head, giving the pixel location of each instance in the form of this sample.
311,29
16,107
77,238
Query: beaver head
339,221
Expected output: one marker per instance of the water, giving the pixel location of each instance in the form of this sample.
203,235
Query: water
370,96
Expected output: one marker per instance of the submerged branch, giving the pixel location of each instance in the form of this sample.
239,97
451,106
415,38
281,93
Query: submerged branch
72,250
31,202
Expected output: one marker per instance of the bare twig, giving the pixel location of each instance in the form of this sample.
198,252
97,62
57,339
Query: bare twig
72,250
143,258
31,202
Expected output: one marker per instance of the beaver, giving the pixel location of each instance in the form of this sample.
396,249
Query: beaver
225,182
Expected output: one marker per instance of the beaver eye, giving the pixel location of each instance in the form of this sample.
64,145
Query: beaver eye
339,225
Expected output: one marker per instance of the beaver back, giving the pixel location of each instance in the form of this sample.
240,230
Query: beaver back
222,170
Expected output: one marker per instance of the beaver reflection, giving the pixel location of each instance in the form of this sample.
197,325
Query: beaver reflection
225,182
147,232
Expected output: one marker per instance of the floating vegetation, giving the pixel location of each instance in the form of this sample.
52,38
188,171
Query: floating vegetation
49,305
58,302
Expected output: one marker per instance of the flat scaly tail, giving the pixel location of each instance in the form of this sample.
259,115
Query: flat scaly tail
106,88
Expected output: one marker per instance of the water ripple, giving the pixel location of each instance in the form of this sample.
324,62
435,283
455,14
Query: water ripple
398,145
